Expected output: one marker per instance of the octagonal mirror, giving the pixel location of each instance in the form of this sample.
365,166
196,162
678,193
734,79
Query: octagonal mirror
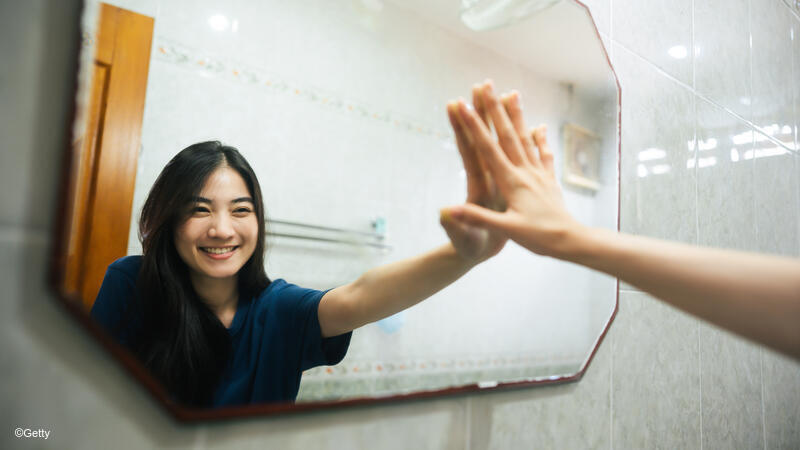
339,108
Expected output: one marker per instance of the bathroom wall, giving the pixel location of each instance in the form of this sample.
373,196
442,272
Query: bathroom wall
661,378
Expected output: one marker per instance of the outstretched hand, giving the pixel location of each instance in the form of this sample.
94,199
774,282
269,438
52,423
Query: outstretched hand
473,243
514,190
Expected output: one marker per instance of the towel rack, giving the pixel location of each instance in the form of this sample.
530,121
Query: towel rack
368,239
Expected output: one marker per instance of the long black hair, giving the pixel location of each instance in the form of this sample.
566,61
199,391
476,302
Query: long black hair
183,342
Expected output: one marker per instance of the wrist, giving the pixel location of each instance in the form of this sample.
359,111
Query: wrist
576,243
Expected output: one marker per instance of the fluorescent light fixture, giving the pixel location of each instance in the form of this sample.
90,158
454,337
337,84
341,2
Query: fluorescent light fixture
708,144
659,169
641,170
734,155
706,162
651,154
218,22
481,15
678,52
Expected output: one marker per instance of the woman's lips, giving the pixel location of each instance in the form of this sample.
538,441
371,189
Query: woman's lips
219,252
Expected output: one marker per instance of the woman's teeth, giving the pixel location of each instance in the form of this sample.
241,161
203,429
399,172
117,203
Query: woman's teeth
217,250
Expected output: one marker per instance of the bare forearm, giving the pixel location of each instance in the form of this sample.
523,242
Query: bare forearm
756,296
393,287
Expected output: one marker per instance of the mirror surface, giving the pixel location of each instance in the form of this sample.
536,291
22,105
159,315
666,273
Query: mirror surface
339,107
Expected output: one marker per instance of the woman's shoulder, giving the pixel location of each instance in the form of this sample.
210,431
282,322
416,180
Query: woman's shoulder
127,265
281,292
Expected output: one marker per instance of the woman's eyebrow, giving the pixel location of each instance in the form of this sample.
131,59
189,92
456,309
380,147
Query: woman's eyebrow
236,200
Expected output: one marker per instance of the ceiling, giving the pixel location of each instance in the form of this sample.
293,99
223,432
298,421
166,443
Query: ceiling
559,43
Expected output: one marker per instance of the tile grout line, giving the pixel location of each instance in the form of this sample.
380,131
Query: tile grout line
755,203
468,428
611,369
763,413
696,213
708,99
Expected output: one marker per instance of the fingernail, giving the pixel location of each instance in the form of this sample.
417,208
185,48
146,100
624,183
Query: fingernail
517,97
444,214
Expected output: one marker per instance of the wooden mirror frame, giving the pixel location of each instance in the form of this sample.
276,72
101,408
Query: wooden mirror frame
73,302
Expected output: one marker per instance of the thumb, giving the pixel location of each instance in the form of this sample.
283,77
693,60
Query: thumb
474,215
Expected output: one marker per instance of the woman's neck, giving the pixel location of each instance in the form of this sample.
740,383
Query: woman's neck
220,295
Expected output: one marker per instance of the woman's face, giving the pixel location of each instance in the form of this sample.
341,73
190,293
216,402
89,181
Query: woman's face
221,230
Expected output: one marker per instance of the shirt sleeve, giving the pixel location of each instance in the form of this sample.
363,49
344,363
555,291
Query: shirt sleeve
109,309
316,350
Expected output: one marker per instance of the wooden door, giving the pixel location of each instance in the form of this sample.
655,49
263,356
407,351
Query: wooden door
106,150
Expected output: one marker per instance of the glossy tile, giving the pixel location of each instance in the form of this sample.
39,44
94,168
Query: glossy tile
574,415
667,45
772,108
57,378
34,119
796,80
656,376
781,400
657,174
776,201
725,185
722,53
438,424
731,390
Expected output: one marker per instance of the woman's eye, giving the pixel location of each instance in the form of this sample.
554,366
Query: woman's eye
200,209
241,211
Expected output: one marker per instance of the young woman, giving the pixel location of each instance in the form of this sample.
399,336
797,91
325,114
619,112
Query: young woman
199,310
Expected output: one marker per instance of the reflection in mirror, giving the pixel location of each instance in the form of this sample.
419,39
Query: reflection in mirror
340,113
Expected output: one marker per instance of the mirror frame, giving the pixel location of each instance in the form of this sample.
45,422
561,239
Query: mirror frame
73,304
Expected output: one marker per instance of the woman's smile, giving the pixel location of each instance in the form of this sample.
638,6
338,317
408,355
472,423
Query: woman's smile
219,252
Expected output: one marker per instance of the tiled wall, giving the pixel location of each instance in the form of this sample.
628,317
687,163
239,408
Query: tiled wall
661,380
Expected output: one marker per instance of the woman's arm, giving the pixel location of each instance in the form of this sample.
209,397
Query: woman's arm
388,289
756,296
394,287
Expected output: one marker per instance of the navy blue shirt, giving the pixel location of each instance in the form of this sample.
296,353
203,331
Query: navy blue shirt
275,336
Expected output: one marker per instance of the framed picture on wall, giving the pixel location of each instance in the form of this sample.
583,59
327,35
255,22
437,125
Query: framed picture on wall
581,157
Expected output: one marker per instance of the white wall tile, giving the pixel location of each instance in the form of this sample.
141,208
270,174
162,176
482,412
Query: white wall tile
659,30
575,415
772,106
658,189
722,53
781,400
725,185
776,203
731,390
55,376
435,424
656,376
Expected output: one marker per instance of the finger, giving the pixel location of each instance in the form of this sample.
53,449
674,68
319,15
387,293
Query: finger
480,108
478,216
513,107
539,135
509,140
497,162
473,166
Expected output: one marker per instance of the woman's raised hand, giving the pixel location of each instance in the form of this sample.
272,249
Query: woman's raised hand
512,188
473,243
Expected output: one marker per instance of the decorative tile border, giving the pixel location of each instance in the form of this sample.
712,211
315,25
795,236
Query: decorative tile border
167,50
371,368
416,376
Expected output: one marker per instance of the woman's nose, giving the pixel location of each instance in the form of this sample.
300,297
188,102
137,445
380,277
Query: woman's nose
221,227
